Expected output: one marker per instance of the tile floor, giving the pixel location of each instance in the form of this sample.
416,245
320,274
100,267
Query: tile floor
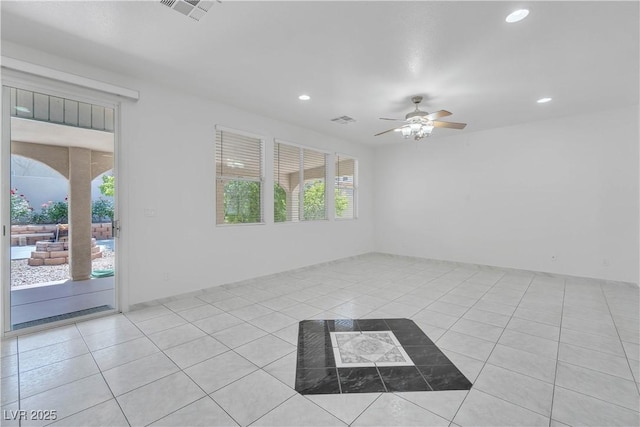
539,350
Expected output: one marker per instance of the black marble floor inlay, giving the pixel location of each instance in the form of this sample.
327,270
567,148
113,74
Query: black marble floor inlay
403,378
360,380
371,355
317,381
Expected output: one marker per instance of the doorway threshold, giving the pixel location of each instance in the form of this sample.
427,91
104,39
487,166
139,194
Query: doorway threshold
51,319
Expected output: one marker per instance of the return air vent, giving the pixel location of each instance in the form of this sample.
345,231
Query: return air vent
344,120
194,9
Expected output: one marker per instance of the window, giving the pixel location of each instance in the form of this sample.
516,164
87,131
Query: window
299,183
286,183
239,175
346,187
314,177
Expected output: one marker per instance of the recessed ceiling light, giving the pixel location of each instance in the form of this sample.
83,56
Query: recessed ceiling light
543,100
517,15
304,97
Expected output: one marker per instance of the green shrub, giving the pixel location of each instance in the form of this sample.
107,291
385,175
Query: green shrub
102,210
242,202
315,204
55,212
21,211
279,203
314,201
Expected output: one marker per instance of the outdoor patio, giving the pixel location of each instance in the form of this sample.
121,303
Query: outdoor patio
23,274
45,292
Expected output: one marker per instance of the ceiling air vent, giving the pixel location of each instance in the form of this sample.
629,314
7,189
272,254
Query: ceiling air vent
194,9
344,120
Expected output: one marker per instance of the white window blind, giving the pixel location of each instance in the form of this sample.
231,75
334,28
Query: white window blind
239,176
299,176
286,180
346,187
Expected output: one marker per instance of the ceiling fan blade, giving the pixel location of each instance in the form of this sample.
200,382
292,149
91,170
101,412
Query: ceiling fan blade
450,125
438,114
395,120
386,131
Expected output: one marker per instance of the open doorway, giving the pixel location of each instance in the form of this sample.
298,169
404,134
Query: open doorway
62,209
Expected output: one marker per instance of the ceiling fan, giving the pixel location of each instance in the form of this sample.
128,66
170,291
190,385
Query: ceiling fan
420,124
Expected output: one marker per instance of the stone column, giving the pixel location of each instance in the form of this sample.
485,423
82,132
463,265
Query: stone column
80,213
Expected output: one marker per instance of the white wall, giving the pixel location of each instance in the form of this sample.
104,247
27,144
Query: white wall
167,165
170,155
517,196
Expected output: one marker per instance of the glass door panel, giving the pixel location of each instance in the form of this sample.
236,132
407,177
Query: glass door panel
62,192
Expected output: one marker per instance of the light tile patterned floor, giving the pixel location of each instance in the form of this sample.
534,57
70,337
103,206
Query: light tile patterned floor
539,349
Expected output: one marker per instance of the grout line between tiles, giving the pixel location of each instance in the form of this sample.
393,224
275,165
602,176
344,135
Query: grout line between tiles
505,328
275,407
366,409
103,379
179,370
496,343
102,373
555,375
620,338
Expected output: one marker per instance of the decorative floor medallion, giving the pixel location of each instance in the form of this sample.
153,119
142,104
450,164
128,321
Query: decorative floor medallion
371,355
361,349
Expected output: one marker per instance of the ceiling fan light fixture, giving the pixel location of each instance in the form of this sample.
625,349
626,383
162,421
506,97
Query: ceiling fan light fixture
517,16
420,124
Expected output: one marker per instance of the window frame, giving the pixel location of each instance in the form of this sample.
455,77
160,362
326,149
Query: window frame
327,156
299,147
222,178
336,158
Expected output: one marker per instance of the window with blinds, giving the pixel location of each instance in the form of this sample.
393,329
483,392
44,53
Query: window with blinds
346,187
299,183
239,176
286,182
314,205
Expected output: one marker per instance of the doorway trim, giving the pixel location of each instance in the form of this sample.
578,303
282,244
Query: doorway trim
61,76
43,84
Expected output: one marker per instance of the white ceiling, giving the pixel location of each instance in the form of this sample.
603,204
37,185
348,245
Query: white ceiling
360,59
